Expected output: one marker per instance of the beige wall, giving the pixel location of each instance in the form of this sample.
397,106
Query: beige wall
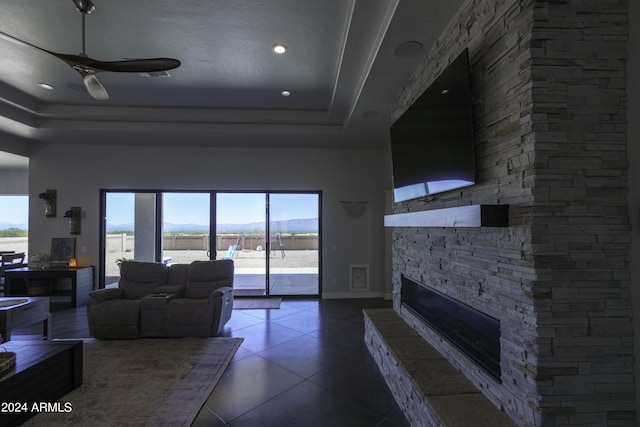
78,173
14,181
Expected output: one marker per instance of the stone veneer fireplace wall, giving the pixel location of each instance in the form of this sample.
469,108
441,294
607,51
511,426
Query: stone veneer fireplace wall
549,85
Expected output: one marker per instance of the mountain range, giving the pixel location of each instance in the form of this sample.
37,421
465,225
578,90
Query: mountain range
309,225
7,225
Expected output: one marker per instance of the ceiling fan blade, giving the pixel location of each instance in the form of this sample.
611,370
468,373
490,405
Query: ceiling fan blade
87,67
21,42
127,66
94,87
68,58
135,65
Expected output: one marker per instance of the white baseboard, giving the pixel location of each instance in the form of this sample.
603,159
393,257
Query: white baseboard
346,295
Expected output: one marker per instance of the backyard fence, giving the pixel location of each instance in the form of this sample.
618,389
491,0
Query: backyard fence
125,243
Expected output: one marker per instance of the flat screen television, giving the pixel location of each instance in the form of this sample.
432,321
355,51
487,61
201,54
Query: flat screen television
432,143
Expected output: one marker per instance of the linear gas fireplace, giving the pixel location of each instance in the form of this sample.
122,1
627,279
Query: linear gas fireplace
473,332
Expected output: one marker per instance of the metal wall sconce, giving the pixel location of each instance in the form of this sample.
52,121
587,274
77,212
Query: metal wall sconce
49,198
74,219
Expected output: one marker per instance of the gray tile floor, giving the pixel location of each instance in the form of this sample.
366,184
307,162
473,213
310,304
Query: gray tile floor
304,364
289,284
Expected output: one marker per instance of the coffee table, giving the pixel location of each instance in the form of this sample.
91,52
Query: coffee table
20,312
44,372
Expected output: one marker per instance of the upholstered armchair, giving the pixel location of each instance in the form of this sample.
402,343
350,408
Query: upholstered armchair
207,302
114,313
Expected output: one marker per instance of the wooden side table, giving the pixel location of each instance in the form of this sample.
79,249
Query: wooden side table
76,294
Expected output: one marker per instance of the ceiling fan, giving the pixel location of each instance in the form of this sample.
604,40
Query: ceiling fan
88,67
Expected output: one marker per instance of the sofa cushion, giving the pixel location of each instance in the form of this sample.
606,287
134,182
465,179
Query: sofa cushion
207,276
138,279
115,319
189,317
178,274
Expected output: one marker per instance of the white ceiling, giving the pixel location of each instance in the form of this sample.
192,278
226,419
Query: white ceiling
339,67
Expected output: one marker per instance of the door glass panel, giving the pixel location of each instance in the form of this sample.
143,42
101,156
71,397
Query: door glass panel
294,231
14,214
130,231
241,236
185,227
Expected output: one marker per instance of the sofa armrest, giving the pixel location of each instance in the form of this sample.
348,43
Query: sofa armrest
220,292
222,300
178,290
106,294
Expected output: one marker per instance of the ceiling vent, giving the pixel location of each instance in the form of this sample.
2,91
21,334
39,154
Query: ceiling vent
155,74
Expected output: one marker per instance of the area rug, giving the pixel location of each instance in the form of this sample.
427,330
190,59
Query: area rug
145,382
255,303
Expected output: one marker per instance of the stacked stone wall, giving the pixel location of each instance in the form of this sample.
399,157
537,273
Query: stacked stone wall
581,238
548,79
490,269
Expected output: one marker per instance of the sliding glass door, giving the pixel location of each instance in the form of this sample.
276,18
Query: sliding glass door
186,227
241,236
272,237
294,226
129,231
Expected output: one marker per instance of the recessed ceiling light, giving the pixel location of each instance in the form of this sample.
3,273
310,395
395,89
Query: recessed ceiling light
444,91
46,86
279,48
285,93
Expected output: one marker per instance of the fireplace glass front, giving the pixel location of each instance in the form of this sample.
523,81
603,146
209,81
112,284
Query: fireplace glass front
473,332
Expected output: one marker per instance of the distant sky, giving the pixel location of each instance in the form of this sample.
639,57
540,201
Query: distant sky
14,209
120,208
232,208
189,208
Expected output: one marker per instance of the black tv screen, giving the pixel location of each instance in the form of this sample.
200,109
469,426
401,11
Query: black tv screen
432,145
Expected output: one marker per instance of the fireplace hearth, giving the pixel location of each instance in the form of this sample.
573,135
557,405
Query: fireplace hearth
473,332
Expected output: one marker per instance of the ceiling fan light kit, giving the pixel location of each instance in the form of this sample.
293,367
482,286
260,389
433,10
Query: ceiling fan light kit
94,87
88,67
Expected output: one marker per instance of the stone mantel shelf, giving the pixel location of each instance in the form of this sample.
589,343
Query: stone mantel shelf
460,216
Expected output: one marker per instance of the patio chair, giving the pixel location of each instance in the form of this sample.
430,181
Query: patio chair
8,261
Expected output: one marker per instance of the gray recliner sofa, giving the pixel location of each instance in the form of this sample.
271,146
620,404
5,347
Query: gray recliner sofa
155,300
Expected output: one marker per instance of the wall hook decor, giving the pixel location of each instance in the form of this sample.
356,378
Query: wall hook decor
74,219
49,198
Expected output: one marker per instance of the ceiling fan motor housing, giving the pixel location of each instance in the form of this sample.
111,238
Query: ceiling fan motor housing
84,6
